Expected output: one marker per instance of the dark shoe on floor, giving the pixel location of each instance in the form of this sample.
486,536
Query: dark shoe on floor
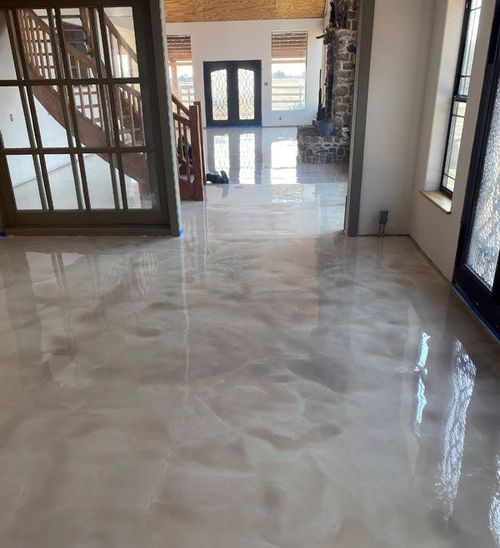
214,178
224,176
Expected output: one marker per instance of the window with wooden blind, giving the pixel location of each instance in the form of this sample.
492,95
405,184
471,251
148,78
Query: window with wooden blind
289,67
180,65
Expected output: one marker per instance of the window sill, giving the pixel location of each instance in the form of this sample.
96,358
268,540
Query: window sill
439,199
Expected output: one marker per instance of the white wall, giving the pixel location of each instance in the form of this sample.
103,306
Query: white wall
433,230
251,40
401,35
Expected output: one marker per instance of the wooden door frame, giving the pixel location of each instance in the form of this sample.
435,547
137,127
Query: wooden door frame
232,87
149,18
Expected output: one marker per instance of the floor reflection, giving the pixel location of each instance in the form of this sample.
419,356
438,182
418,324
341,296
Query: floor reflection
463,377
270,193
253,156
421,372
495,507
262,379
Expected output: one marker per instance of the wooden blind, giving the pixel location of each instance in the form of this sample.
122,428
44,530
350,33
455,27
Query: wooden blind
179,48
289,46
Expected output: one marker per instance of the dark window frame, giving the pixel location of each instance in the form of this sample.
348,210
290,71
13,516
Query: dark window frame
483,300
457,97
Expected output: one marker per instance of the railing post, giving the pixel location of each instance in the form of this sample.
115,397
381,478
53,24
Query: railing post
199,176
202,143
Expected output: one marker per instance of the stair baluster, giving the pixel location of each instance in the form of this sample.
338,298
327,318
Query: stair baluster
36,38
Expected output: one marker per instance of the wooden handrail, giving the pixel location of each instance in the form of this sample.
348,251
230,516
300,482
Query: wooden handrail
181,119
180,105
36,36
122,43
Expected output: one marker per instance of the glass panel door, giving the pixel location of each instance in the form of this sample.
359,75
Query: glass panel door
233,93
484,245
477,274
246,94
218,88
78,100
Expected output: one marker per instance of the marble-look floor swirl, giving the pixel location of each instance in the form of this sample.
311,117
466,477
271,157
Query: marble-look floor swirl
263,382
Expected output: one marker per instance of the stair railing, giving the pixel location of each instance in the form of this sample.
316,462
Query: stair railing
36,38
190,155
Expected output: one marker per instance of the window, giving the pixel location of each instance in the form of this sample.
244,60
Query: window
289,64
460,94
180,67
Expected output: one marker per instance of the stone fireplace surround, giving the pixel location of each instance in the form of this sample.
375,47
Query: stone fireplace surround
328,139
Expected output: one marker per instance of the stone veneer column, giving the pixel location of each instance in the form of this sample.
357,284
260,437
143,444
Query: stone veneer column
343,66
340,41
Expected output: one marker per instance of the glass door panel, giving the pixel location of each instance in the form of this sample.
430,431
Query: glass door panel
82,42
103,180
128,104
218,87
12,120
246,94
77,132
93,115
120,35
64,186
55,130
477,274
27,192
484,245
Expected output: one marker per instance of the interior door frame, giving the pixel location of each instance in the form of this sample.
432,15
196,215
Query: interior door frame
476,293
149,27
233,91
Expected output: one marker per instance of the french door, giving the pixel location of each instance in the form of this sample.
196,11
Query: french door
78,97
477,274
233,93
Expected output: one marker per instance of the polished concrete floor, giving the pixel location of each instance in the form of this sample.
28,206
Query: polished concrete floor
254,156
263,382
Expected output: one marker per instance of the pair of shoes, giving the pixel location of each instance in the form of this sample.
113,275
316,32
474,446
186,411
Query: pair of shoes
224,176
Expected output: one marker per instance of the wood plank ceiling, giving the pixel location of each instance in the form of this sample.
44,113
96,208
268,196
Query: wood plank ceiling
178,11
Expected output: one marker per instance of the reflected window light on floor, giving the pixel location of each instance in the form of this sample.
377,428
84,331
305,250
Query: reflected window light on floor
284,162
463,378
421,373
267,156
247,159
494,517
221,152
288,195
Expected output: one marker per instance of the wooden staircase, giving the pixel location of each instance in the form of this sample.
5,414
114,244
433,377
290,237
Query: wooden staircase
91,108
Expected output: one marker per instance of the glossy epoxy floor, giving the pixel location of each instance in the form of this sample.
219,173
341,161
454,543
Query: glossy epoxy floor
262,156
263,382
